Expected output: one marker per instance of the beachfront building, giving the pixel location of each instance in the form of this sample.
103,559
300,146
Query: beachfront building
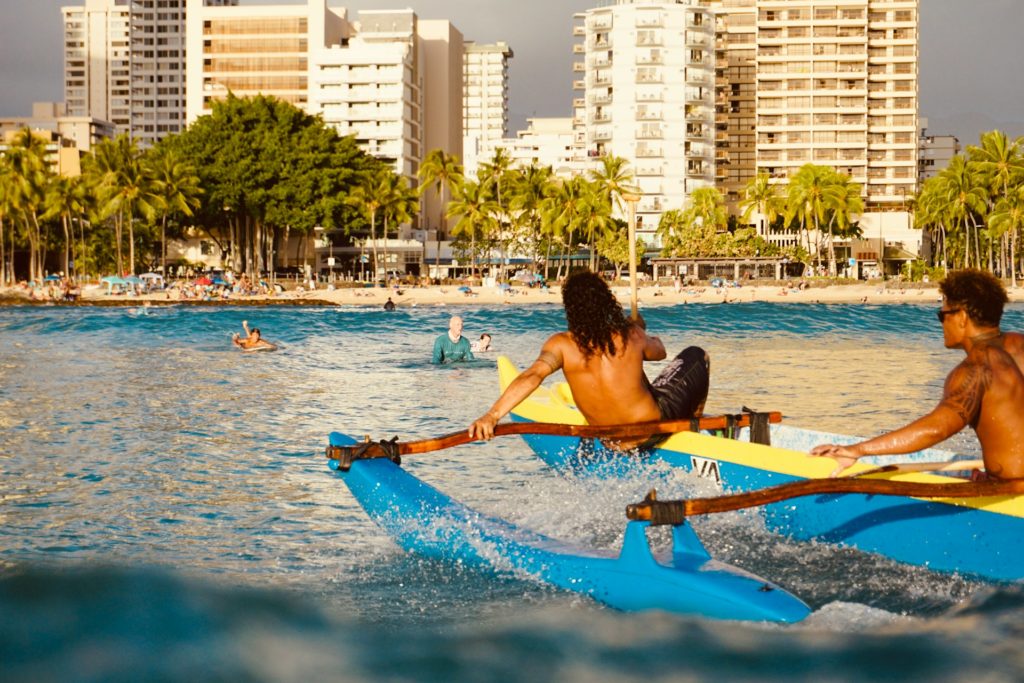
646,72
80,132
837,85
546,142
735,96
124,62
254,50
484,101
934,152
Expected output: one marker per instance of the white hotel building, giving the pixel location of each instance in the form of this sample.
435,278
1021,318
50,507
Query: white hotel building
485,101
647,78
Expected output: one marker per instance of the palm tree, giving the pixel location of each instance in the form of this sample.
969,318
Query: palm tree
1008,217
963,195
930,212
846,202
595,220
64,201
175,189
561,211
528,193
615,180
399,206
442,171
30,174
476,211
708,205
494,175
811,193
369,197
761,195
1001,162
8,210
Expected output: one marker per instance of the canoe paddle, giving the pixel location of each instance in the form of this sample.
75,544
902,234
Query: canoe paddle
393,449
659,512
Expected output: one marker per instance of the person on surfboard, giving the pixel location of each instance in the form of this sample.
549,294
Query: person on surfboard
602,357
253,341
985,391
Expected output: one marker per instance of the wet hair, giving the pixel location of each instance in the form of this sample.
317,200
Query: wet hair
593,314
978,292
485,335
255,330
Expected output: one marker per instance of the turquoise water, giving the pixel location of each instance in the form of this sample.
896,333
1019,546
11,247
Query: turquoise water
166,512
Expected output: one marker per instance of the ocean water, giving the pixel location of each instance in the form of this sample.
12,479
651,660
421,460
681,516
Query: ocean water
166,512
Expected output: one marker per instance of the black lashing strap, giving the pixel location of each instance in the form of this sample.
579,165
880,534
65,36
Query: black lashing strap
760,426
366,450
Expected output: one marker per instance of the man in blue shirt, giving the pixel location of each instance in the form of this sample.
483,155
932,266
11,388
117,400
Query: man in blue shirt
452,346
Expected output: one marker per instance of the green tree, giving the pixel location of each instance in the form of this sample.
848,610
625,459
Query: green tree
615,180
476,211
1001,163
30,175
441,171
175,189
761,196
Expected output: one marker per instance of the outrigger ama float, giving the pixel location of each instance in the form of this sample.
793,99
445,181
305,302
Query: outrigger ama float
424,521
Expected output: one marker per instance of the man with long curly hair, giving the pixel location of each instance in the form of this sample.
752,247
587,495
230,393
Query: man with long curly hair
985,391
602,357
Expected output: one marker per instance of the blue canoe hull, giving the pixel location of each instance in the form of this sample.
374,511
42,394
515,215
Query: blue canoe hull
979,537
426,522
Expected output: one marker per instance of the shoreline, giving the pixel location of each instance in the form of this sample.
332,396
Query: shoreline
411,297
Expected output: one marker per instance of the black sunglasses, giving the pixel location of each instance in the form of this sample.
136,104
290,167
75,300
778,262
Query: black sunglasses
941,314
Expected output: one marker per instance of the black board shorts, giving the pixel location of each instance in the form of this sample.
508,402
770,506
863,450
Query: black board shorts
681,388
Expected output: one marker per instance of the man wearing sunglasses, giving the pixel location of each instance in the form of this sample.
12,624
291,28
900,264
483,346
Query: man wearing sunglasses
985,391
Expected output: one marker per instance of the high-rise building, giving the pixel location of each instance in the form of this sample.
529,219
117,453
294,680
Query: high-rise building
485,101
837,86
735,82
254,49
124,62
368,85
934,151
648,80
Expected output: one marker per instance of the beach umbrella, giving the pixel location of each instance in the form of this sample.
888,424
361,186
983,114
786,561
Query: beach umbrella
51,277
203,281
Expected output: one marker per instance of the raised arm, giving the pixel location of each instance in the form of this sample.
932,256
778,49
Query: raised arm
245,326
549,360
961,402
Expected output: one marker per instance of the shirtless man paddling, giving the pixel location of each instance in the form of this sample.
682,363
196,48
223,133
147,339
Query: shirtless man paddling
985,391
602,356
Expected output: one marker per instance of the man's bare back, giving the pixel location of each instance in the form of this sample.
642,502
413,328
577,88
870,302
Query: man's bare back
610,388
602,357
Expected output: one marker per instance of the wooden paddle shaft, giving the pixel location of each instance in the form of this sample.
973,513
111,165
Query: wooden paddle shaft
676,511
623,431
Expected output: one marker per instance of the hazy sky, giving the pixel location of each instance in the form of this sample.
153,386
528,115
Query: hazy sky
972,57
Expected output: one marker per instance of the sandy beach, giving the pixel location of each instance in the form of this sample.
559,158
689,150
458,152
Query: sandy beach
450,295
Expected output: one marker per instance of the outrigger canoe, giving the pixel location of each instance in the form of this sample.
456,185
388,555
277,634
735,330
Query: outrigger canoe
978,537
425,521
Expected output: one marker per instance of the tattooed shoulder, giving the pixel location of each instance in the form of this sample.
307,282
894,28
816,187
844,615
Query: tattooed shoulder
966,389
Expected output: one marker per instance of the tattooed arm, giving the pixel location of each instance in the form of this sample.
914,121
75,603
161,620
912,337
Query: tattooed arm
960,406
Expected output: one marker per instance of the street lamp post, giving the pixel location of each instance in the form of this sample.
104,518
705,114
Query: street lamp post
632,199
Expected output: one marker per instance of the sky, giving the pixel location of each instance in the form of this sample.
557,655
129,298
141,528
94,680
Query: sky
972,58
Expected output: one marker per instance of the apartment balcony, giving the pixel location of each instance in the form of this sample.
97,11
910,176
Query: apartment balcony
579,67
578,102
578,31
602,43
650,133
579,49
649,170
644,114
696,76
694,39
696,170
598,63
645,151
654,58
601,135
603,23
600,118
579,85
650,96
648,20
600,98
